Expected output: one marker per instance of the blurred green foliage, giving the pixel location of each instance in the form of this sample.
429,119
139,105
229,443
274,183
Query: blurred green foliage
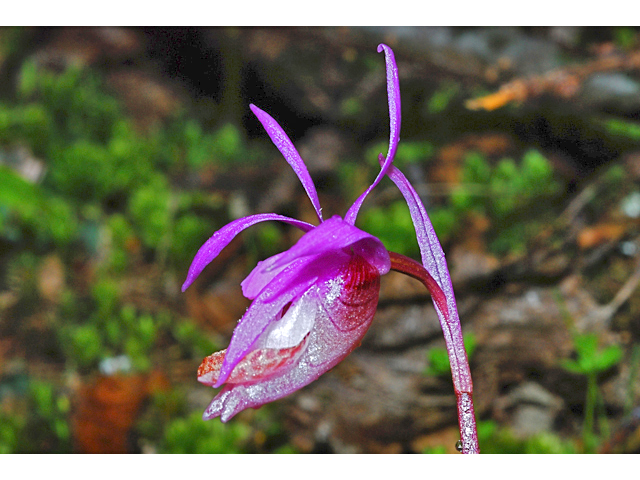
496,439
393,226
11,427
590,358
625,37
406,154
501,190
623,128
193,435
96,157
442,97
503,193
114,198
437,450
42,426
113,329
172,428
506,193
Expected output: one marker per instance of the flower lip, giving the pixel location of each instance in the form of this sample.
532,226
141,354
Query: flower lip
317,257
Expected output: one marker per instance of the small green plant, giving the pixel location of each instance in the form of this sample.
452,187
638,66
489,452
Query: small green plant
43,427
499,191
503,193
192,435
590,361
496,439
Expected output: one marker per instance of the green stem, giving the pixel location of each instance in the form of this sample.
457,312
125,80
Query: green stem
589,412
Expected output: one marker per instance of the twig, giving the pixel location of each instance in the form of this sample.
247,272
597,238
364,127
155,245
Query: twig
563,83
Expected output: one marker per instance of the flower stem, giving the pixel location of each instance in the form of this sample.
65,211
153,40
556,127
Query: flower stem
462,384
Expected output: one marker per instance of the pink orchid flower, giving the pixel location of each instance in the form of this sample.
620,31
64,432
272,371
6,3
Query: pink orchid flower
312,304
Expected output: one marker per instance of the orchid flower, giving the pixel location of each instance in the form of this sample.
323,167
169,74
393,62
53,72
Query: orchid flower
312,304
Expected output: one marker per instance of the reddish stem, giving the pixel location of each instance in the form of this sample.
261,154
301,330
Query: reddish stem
455,348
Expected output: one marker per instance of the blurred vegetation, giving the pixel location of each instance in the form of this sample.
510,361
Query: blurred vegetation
117,198
496,439
590,361
500,193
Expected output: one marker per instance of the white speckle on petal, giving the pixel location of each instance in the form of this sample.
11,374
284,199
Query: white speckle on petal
291,329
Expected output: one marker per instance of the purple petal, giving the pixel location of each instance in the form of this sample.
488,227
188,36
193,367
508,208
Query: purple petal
393,93
261,275
335,234
332,234
290,284
342,308
434,261
291,329
316,257
291,155
430,248
351,298
222,237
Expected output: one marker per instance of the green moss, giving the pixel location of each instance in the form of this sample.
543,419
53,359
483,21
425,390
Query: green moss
495,439
190,231
191,339
393,226
192,435
29,212
149,209
110,200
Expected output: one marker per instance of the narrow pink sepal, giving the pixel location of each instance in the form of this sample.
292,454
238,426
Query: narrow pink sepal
434,261
393,93
291,155
222,237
